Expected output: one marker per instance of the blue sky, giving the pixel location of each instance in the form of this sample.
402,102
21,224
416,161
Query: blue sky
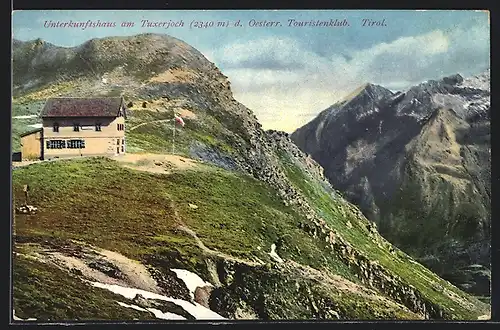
285,74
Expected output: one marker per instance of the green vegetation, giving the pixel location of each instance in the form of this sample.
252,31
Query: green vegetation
421,222
99,202
427,224
81,199
336,214
26,109
22,125
156,135
40,94
45,292
301,298
356,307
236,214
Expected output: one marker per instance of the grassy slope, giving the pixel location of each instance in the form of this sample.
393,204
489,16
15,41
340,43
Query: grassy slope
144,225
415,274
236,214
157,136
20,126
47,293
142,229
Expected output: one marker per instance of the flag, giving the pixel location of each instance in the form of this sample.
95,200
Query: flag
179,120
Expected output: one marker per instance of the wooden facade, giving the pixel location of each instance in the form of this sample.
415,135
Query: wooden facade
32,145
73,127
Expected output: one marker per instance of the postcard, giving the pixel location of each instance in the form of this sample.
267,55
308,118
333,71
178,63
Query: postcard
181,165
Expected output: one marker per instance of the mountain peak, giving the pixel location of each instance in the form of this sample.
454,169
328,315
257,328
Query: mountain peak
479,81
372,90
454,79
391,155
138,57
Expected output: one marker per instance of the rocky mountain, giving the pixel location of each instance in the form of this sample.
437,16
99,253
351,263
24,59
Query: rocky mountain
238,224
418,164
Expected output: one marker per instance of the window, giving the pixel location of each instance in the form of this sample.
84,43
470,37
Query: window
76,127
120,127
123,141
55,127
117,142
98,127
76,144
56,144
123,149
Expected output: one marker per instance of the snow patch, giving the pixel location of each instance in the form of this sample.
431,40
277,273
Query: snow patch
20,319
157,313
165,316
274,255
366,113
198,311
191,280
24,117
137,308
481,81
464,106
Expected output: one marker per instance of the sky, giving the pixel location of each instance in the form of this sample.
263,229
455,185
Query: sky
288,74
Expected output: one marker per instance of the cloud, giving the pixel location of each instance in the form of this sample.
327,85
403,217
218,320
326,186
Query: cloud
284,110
281,78
430,56
252,80
404,58
267,53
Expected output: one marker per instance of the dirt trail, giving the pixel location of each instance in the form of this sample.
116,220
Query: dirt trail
340,283
213,252
296,268
182,226
157,163
140,161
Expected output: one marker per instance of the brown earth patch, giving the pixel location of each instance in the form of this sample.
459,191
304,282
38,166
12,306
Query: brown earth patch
174,75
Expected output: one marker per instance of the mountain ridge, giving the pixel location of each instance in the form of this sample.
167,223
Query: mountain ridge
372,163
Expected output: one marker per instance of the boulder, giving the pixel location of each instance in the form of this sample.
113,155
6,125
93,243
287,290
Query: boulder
202,295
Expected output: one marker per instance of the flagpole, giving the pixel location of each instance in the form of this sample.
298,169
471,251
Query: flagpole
173,137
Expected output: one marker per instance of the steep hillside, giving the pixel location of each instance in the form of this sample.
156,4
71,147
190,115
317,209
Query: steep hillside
239,224
418,164
156,75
